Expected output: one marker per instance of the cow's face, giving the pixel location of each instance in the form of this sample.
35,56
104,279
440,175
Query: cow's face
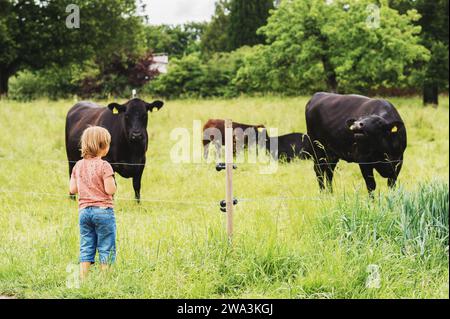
375,131
134,115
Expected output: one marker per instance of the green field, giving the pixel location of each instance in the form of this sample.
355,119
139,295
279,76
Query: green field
307,245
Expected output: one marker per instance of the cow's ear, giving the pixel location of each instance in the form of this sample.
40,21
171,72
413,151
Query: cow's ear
394,127
117,108
155,105
350,123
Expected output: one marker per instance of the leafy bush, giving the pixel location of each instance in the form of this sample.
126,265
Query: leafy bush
25,86
58,82
220,72
182,79
52,82
263,72
191,76
88,80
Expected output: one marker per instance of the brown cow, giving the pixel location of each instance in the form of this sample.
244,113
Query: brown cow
214,130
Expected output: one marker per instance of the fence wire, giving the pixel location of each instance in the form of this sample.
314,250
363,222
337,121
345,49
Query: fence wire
199,203
67,196
323,163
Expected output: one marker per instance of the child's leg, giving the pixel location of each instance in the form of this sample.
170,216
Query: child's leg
84,269
104,267
105,224
88,241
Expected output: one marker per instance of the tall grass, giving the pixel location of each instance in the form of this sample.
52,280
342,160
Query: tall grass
424,217
417,220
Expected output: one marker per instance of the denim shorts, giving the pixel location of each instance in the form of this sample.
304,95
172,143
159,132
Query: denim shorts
97,232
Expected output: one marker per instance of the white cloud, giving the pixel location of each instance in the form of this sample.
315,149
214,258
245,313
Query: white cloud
178,11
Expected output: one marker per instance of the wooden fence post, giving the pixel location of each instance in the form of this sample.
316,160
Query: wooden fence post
229,176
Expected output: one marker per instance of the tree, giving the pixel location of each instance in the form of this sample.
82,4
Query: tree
215,37
435,27
34,35
177,41
234,25
338,46
246,17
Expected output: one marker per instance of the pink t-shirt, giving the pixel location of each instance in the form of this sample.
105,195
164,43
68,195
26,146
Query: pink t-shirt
89,175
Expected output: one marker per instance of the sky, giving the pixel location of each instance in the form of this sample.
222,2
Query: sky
178,11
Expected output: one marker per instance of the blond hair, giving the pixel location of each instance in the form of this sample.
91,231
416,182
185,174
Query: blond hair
94,140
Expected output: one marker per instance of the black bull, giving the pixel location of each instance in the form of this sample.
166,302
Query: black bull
355,129
127,125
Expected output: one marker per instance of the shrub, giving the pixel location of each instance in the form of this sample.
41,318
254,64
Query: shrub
191,76
25,86
53,83
58,82
117,77
220,72
182,79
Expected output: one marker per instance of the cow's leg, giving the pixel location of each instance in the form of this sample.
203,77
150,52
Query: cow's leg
329,171
320,173
392,181
137,185
367,172
205,150
71,166
320,164
218,150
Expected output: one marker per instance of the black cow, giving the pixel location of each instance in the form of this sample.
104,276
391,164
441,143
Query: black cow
356,129
127,124
290,146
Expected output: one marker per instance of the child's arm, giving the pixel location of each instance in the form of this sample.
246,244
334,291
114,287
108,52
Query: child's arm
73,186
108,179
110,185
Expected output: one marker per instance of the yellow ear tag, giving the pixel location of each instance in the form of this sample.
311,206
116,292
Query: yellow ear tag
260,129
115,111
394,129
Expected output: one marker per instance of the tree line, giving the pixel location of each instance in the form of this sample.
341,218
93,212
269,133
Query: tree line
248,47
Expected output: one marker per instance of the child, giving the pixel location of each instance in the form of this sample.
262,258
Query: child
93,179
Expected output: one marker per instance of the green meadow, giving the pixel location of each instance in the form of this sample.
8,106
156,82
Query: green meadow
290,240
